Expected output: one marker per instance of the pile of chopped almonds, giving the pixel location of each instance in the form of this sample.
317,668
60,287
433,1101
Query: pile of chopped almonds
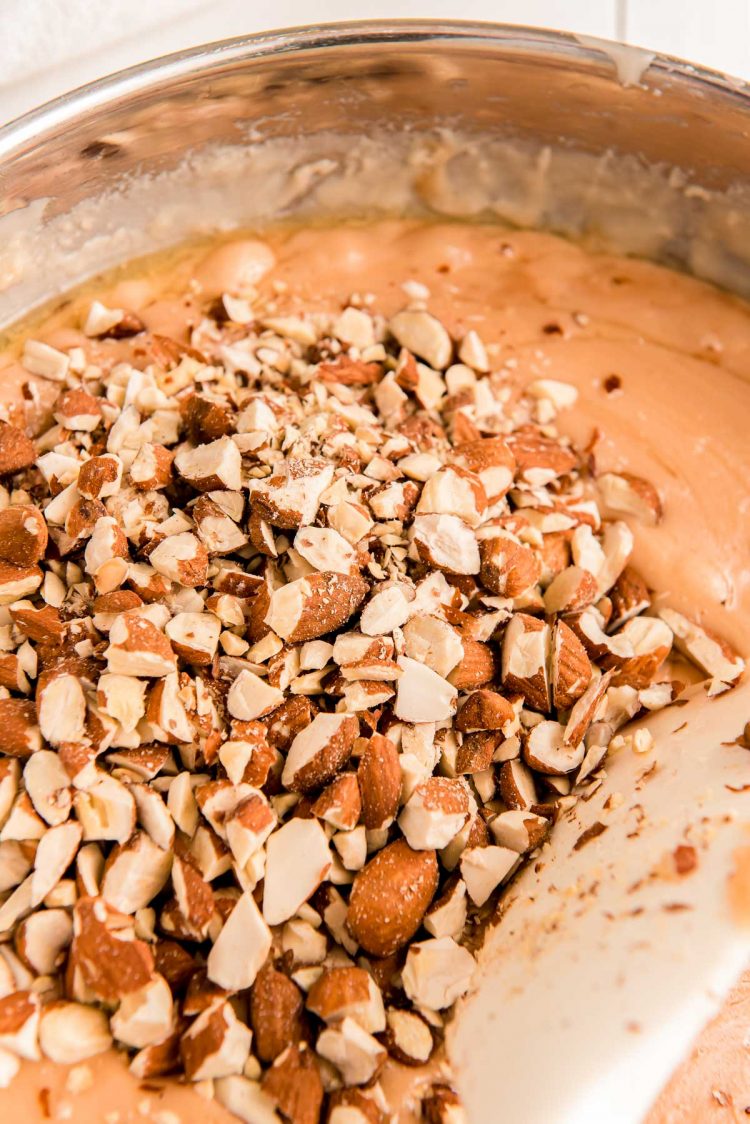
310,629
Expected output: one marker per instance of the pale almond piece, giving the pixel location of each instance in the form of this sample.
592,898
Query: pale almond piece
153,815
341,993
447,916
546,750
145,1017
622,493
106,543
408,1037
446,543
340,804
9,1067
211,467
41,940
319,751
19,1024
217,1044
508,568
484,868
519,830
435,812
48,786
388,608
432,641
122,697
23,535
151,469
352,847
525,658
135,873
137,647
561,395
15,863
379,777
356,1054
422,695
571,589
241,948
325,549
454,491
291,499
437,972
390,896
617,545
61,708
314,605
71,1032
423,334
106,810
245,1099
53,856
181,558
297,861
570,667
250,696
705,649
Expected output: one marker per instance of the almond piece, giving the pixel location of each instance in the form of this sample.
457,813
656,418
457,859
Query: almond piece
17,582
379,776
194,637
485,710
477,667
293,1083
276,1013
585,709
248,826
540,459
573,588
408,1037
437,972
423,334
137,647
422,695
291,499
319,751
570,667
484,868
432,641
516,784
524,662
250,696
145,1017
61,707
434,813
651,641
443,1106
106,810
508,568
356,1054
211,467
492,461
77,410
134,874
712,654
387,609
446,543
546,750
297,861
17,451
151,469
71,1032
42,939
622,493
48,786
181,558
100,477
519,830
454,491
245,1099
23,535
446,917
217,1044
340,804
390,897
629,596
341,993
325,550
315,605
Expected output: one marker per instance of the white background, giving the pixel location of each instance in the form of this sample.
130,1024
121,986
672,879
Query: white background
50,46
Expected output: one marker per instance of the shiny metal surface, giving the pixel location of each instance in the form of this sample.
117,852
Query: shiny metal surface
519,86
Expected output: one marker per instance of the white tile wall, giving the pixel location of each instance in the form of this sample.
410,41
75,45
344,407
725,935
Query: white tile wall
49,46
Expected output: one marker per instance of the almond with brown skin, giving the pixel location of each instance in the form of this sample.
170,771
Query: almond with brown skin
276,1013
20,735
476,751
23,535
319,751
537,454
570,667
294,1083
109,966
315,605
379,776
17,451
492,460
340,804
390,896
341,993
484,710
508,568
525,655
477,668
629,597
